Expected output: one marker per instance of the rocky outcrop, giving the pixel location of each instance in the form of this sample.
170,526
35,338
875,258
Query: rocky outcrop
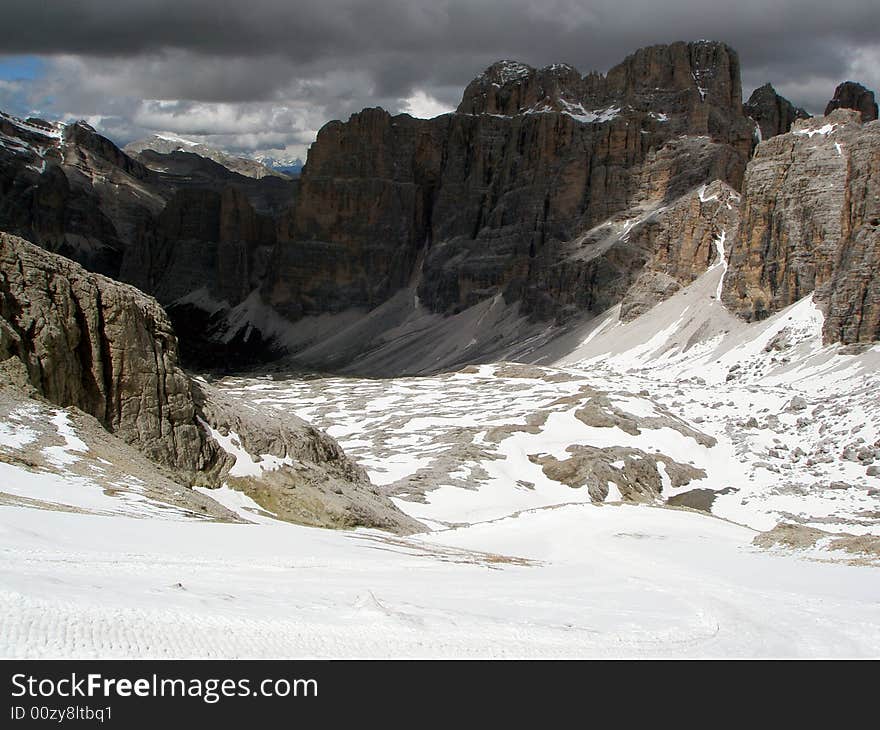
296,471
106,348
633,472
810,223
774,114
103,347
850,95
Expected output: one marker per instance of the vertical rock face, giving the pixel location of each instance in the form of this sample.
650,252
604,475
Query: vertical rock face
495,198
101,346
811,223
774,114
680,242
853,313
850,95
202,240
362,214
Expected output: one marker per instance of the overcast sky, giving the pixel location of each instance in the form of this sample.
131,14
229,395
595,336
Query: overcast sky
265,75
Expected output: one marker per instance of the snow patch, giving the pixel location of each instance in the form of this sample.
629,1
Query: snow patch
245,465
823,130
64,455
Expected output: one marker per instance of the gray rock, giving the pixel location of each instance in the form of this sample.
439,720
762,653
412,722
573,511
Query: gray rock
109,350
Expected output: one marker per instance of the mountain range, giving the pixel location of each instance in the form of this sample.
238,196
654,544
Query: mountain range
507,230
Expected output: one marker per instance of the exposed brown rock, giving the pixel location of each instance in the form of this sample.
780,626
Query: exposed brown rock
316,485
811,223
633,471
101,346
864,549
680,242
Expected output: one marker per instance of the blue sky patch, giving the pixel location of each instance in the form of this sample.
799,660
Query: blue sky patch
21,68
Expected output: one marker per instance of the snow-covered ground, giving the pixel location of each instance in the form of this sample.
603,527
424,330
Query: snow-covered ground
515,563
573,581
796,426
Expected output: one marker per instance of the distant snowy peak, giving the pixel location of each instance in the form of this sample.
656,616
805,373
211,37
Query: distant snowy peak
167,144
288,165
32,125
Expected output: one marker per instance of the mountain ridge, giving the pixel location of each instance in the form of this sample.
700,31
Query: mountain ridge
165,144
580,198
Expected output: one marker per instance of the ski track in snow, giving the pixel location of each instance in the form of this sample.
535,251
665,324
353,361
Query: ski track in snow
605,581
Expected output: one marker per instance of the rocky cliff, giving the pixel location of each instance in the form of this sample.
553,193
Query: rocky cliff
107,349
103,347
556,194
811,223
503,196
567,194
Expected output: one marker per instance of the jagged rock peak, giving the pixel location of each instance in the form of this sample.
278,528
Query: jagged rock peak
773,113
852,95
506,71
510,87
695,72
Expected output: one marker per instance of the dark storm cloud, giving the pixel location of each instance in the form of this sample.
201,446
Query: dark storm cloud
335,56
